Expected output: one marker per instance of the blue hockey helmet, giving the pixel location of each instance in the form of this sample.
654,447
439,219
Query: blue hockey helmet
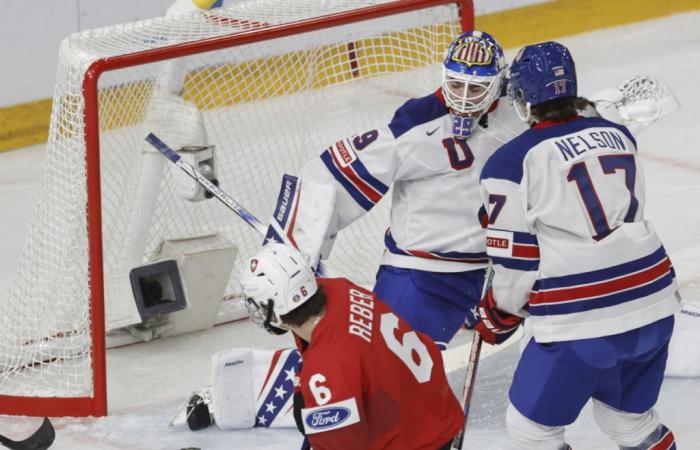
540,73
472,73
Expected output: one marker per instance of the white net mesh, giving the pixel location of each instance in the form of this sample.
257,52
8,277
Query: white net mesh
268,107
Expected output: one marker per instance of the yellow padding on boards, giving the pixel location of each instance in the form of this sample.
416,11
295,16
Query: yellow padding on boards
555,19
25,124
28,123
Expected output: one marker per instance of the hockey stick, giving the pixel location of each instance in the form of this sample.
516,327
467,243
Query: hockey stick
40,440
217,192
468,387
472,365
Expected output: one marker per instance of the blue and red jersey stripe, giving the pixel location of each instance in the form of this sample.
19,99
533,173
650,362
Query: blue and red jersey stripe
602,288
365,189
471,258
525,253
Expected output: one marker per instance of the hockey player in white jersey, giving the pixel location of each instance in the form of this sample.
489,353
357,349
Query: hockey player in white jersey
431,152
572,251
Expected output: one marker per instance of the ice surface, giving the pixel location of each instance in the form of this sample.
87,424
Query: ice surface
147,382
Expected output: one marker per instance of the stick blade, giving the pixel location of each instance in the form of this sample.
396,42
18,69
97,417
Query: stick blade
40,440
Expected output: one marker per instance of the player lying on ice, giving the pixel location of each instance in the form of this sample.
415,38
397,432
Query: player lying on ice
368,381
432,152
571,251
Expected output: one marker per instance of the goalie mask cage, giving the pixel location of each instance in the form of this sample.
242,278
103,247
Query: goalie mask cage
270,83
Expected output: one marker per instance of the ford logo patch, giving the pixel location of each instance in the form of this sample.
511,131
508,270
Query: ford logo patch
328,417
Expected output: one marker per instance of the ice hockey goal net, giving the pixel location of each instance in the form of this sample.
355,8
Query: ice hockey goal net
270,82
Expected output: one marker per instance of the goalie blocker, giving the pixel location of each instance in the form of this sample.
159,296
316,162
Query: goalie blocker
304,217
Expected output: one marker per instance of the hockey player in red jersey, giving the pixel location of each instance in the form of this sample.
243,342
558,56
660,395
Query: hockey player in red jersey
571,250
368,381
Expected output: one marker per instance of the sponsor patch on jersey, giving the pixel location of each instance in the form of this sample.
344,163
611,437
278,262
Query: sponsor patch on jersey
499,243
344,154
330,416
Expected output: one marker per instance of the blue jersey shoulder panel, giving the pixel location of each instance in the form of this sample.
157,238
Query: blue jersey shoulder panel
507,162
415,112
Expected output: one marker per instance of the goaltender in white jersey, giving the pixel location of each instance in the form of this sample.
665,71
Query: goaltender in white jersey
431,152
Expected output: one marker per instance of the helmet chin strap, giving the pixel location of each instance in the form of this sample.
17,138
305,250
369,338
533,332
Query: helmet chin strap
268,318
463,126
523,111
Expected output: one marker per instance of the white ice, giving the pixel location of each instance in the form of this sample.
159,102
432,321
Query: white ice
147,382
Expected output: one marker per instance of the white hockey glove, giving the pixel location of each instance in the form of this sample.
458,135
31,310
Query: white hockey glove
636,102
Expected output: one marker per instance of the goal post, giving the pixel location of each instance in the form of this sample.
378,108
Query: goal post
268,83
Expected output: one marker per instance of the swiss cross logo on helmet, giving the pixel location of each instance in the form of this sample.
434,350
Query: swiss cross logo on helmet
253,265
473,52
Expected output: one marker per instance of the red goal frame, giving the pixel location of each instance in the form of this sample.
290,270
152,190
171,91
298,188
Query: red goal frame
96,405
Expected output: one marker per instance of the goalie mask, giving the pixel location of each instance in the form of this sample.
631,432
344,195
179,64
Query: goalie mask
472,73
540,73
275,281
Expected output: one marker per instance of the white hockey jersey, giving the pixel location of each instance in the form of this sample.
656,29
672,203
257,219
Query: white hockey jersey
435,223
567,236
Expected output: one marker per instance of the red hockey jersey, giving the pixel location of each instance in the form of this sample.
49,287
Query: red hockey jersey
370,382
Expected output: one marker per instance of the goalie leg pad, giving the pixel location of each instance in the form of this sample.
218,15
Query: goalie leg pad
684,348
253,388
233,397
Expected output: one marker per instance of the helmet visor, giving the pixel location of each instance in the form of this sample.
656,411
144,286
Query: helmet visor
468,94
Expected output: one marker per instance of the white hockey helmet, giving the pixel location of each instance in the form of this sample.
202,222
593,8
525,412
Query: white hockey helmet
275,281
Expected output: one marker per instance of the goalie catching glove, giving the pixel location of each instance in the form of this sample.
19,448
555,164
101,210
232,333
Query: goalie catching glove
636,102
494,325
